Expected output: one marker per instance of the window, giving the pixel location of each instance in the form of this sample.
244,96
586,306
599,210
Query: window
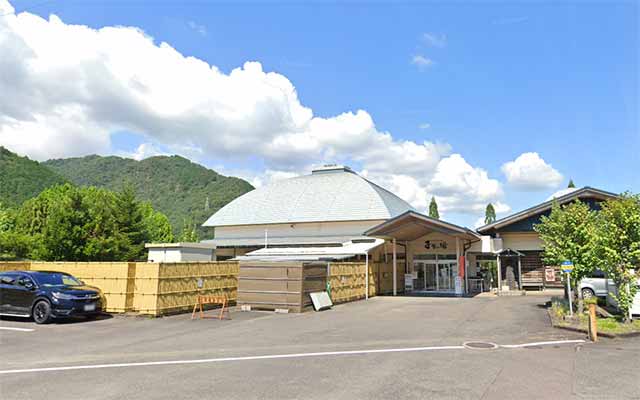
598,274
56,279
25,282
7,279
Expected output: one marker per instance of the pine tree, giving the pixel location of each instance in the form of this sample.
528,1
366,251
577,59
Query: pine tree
433,209
571,184
206,204
489,214
131,222
189,233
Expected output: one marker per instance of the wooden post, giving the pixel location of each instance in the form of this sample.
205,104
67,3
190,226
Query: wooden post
395,269
593,323
499,275
520,272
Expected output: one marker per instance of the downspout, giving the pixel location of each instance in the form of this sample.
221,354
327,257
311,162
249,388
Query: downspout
395,269
366,275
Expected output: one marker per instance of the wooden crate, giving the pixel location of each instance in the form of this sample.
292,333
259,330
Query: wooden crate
280,285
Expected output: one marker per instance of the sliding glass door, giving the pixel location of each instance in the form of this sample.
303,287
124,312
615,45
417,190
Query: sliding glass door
434,275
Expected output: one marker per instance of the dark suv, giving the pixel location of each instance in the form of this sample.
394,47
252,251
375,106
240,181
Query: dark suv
44,295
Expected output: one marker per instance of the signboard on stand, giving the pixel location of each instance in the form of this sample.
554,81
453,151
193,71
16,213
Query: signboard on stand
458,284
408,282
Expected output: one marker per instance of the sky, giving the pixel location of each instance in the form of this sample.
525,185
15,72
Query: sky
470,102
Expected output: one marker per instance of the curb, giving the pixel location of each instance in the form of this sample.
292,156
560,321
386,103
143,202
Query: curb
585,331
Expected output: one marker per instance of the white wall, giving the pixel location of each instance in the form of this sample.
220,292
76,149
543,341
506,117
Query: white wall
179,254
521,241
343,228
417,246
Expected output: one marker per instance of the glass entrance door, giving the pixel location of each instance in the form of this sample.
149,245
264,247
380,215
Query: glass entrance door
430,275
447,276
434,275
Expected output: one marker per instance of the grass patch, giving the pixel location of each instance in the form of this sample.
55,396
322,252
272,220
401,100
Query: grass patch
560,314
615,326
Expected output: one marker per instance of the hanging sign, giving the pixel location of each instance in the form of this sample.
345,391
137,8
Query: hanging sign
567,266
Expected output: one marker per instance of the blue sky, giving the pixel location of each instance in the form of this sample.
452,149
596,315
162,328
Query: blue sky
490,80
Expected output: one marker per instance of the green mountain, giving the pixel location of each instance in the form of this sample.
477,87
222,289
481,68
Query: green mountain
22,178
181,189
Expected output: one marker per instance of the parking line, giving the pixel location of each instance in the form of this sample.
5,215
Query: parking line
516,346
8,328
266,357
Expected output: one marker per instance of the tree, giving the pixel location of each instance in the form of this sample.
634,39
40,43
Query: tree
6,221
489,214
131,222
618,246
433,209
104,239
67,223
189,232
54,221
157,225
568,233
571,184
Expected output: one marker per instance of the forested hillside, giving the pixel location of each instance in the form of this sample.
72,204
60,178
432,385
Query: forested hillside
22,178
179,188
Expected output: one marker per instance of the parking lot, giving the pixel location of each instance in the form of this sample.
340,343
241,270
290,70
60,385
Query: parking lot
386,347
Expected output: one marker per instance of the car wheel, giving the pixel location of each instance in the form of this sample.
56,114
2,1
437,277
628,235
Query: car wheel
42,312
587,293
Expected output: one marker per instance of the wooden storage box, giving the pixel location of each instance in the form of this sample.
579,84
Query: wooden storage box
274,285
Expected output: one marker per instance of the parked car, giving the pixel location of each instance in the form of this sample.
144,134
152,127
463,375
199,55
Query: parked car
44,295
595,285
635,306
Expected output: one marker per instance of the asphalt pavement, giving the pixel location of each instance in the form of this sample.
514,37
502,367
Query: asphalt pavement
382,348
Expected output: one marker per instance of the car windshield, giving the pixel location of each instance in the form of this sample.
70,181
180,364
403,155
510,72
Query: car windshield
56,279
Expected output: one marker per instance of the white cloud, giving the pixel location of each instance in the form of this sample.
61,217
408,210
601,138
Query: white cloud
422,62
424,125
530,172
201,29
434,39
73,86
461,188
146,150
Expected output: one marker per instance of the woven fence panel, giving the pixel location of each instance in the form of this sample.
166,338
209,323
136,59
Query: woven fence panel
179,284
348,281
112,278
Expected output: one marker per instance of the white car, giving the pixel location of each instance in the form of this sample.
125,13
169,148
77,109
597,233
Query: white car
635,306
595,285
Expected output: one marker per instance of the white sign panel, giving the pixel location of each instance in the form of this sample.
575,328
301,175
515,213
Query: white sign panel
408,282
321,301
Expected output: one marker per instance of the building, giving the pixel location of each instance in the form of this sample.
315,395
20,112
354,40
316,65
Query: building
179,252
324,214
521,245
331,206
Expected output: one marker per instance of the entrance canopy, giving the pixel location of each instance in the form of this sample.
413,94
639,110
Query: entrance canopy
349,249
412,225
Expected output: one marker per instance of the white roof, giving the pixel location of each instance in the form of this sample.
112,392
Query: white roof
347,249
328,194
561,193
293,240
182,245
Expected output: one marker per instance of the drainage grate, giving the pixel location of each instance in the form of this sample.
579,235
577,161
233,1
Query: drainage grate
480,345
